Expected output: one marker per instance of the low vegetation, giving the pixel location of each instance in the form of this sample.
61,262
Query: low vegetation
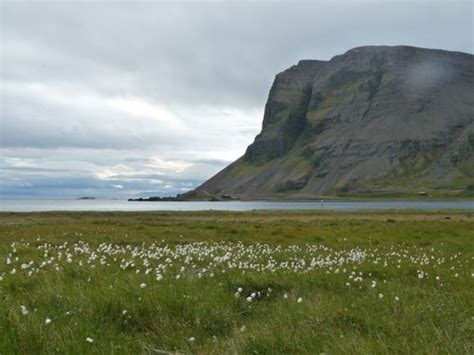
250,282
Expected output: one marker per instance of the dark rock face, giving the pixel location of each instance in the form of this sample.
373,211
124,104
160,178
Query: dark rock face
375,119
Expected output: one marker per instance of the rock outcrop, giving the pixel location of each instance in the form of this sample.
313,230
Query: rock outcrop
375,120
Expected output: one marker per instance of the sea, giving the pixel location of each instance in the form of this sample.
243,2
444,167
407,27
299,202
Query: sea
40,205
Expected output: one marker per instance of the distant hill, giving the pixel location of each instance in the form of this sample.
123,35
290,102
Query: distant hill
375,121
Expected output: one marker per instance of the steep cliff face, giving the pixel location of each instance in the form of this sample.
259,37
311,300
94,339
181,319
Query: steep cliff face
379,119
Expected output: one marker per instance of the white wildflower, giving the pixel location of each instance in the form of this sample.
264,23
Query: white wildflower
24,311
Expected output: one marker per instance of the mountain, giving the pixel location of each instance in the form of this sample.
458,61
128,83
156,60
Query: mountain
374,121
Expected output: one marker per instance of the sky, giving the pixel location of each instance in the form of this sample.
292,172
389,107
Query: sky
149,98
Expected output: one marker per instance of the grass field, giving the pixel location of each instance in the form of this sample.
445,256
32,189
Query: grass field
251,282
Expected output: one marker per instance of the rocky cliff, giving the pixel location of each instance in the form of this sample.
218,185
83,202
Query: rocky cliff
375,120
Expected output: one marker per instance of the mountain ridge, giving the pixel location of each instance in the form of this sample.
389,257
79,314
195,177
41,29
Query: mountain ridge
393,120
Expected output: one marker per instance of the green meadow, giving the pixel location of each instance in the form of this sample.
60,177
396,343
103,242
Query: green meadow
237,282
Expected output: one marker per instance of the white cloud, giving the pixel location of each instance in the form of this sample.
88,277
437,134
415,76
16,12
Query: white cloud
176,166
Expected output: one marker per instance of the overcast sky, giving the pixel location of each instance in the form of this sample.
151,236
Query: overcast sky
104,98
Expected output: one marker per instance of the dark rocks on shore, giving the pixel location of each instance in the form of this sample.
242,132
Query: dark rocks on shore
156,199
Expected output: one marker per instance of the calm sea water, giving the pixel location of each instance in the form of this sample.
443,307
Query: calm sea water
24,205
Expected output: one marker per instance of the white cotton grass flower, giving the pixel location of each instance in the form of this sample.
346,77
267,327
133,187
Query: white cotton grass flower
47,321
380,295
240,289
397,298
285,296
249,299
300,300
124,312
24,311
243,328
192,339
143,285
89,340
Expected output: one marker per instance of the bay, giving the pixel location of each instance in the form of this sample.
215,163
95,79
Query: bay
37,205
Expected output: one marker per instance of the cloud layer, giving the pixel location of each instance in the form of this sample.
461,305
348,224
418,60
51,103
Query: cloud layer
124,98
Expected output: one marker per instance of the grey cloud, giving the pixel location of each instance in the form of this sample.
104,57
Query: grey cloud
29,121
219,162
218,53
426,75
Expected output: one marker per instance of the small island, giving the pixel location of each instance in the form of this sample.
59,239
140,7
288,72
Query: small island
180,197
